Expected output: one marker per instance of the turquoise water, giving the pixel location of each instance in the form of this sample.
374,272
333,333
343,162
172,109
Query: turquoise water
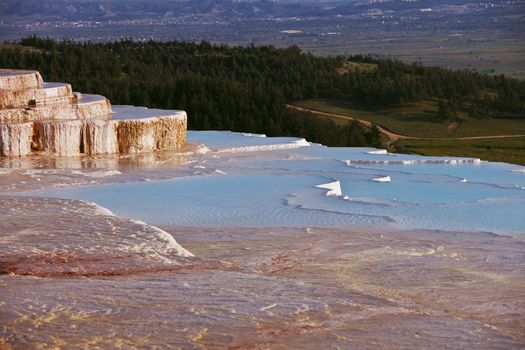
278,188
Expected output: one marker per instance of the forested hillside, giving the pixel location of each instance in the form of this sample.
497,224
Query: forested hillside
246,88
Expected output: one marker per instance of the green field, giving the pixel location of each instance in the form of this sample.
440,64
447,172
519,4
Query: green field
510,150
418,119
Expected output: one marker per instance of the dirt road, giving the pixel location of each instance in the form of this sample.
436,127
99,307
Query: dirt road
392,135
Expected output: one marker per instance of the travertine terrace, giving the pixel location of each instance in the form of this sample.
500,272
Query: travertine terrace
49,118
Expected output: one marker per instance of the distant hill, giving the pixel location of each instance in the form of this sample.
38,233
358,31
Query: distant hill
100,10
70,10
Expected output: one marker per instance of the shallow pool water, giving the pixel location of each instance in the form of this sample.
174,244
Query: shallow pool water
262,181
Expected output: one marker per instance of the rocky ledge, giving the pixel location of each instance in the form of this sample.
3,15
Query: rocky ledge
49,118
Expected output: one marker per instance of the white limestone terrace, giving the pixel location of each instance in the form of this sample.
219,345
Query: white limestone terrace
49,118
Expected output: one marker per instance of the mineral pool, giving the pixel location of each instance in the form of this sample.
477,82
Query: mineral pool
253,180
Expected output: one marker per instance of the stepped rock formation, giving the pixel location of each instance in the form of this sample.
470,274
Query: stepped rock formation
49,118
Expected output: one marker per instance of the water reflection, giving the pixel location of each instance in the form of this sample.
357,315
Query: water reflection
134,161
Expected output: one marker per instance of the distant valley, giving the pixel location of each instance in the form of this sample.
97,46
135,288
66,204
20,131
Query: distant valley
483,36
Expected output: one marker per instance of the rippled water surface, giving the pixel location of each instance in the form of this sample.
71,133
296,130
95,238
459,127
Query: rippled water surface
277,187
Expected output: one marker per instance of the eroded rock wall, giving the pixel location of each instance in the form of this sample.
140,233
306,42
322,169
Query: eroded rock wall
60,138
15,139
93,136
100,137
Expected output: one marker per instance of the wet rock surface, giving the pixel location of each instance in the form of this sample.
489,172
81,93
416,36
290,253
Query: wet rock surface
93,278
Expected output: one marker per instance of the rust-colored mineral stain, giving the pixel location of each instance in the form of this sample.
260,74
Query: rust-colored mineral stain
63,265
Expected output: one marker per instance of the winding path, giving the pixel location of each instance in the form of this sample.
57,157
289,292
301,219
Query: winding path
392,135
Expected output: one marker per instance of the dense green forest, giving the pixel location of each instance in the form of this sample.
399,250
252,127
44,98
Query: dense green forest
246,88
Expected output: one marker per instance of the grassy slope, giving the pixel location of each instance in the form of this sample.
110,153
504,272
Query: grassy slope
511,150
417,120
